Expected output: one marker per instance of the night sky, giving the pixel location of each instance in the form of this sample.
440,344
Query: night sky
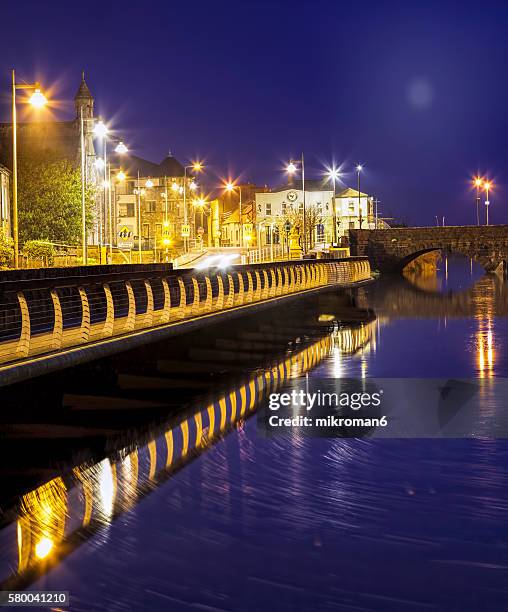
418,92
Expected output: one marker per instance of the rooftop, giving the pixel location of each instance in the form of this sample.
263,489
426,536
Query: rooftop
132,164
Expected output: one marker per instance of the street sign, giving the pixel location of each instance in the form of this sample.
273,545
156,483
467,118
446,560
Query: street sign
125,237
185,231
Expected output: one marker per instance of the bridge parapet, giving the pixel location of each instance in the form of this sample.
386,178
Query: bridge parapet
45,314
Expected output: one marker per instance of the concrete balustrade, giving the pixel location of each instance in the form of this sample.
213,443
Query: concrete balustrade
101,307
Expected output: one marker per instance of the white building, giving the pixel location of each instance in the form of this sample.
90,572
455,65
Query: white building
286,203
351,209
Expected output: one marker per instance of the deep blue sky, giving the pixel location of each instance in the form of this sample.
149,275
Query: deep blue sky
417,91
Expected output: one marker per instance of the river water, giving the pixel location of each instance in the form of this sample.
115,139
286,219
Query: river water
244,522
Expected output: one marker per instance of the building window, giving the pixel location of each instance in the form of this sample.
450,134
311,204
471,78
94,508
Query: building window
158,230
146,231
351,225
268,208
351,208
151,206
320,232
126,210
284,204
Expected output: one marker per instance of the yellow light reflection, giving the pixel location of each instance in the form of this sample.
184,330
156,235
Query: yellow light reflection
43,548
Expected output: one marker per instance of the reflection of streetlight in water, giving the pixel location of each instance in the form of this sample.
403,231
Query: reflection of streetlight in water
485,348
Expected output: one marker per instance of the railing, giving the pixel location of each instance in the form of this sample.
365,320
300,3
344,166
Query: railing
44,315
267,253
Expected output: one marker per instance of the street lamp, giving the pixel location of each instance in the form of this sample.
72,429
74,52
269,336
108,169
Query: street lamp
478,183
291,169
333,174
359,168
100,131
197,167
200,203
487,186
229,186
121,148
37,100
139,192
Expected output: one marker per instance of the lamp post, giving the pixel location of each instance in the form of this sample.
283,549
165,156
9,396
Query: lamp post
334,174
291,169
139,192
197,167
231,187
359,168
101,131
478,184
200,203
487,186
37,100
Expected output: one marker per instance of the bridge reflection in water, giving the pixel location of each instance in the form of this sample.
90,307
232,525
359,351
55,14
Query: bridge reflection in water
58,516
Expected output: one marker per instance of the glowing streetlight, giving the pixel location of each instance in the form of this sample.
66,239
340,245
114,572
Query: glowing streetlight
487,186
359,168
230,187
174,187
121,176
333,174
149,183
200,203
291,169
193,186
99,163
121,148
478,183
37,100
100,130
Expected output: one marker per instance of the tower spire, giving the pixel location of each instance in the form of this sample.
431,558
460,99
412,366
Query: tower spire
83,100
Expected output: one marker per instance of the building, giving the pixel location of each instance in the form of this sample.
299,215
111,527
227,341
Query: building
352,210
61,138
282,208
150,197
232,232
5,206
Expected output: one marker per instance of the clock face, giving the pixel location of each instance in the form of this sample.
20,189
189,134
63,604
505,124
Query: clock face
292,196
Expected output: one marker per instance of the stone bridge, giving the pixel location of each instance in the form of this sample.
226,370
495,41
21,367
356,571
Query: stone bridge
391,250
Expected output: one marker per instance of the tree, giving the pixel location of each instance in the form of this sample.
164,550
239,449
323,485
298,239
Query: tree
294,215
49,198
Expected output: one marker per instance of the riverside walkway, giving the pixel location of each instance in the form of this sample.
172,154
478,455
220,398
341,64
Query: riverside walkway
55,318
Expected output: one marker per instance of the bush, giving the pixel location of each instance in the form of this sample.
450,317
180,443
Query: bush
36,249
6,250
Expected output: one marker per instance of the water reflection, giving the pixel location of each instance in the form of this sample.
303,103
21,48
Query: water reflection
60,514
